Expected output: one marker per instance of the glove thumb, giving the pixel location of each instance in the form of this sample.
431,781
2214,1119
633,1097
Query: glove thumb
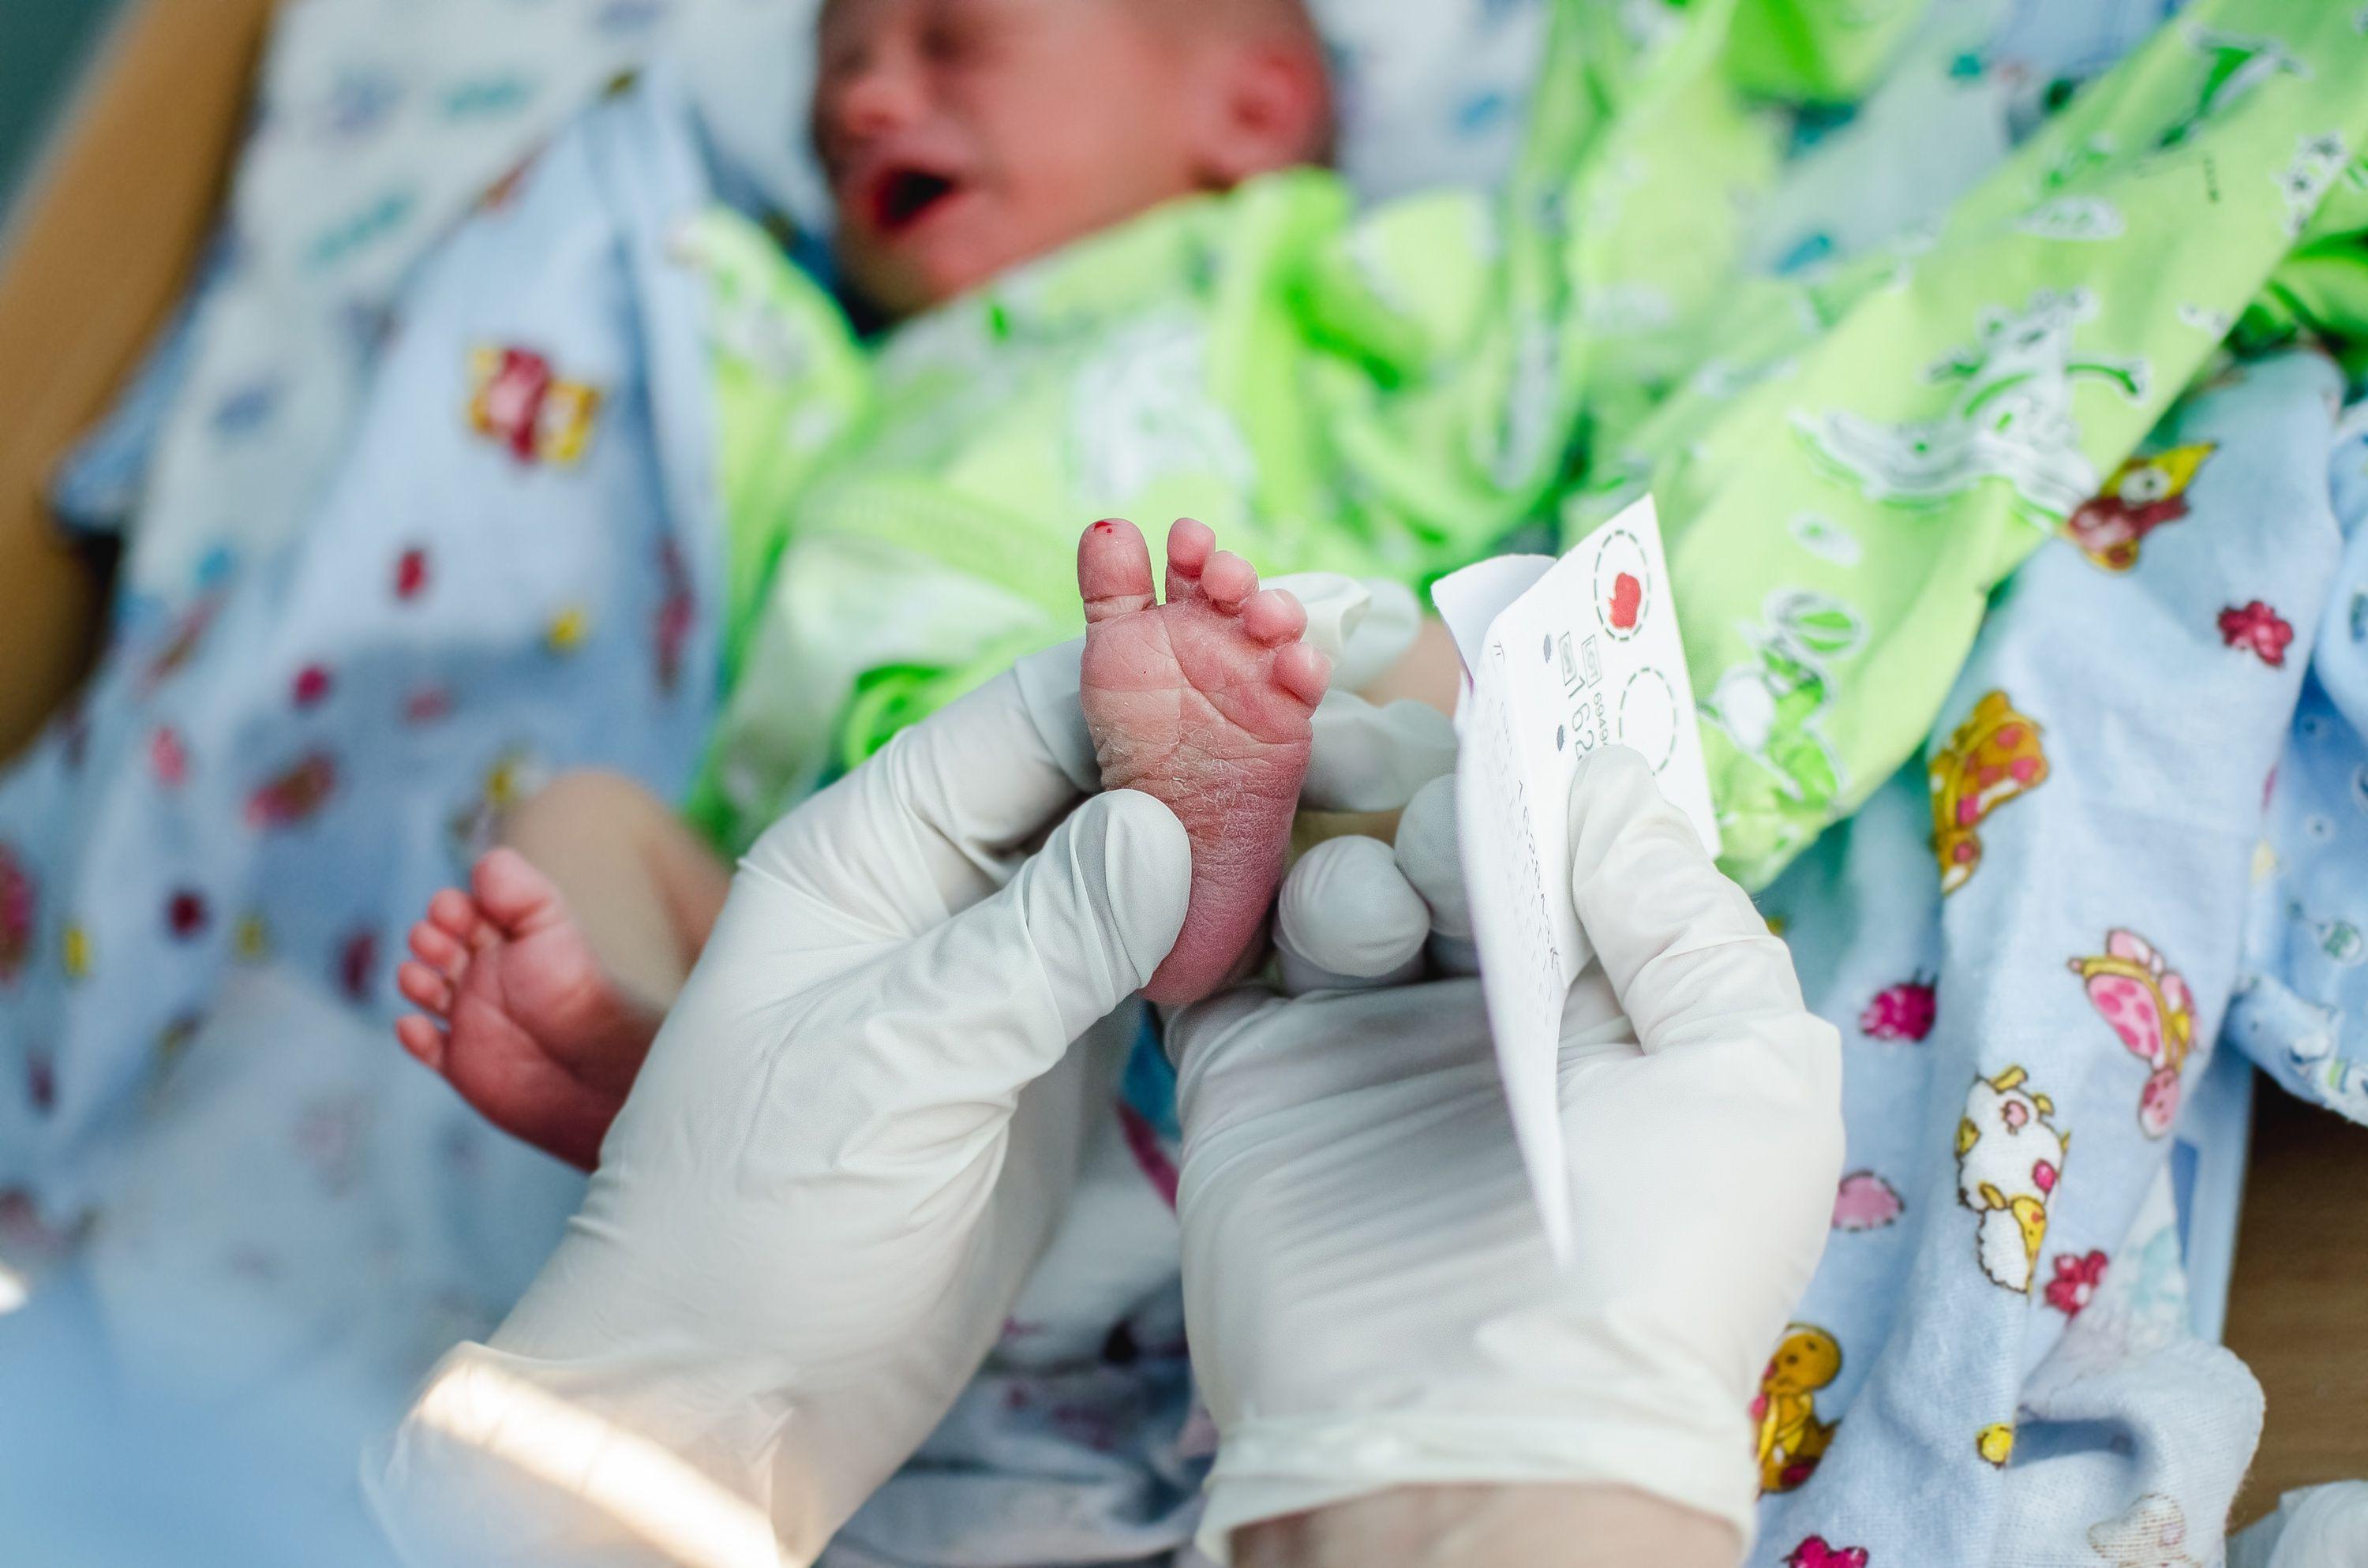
1082,925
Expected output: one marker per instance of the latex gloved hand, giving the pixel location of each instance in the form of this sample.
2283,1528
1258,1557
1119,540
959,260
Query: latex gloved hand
1371,1298
847,1147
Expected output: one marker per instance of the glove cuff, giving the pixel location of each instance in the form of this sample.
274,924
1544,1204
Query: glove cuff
1269,1469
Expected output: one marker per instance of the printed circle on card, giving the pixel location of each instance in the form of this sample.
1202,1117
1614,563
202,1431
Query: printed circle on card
1623,585
1648,717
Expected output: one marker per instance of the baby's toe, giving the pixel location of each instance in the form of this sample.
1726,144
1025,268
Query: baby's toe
1228,580
512,894
455,913
1190,545
423,1040
1302,670
439,949
1273,617
1113,570
424,988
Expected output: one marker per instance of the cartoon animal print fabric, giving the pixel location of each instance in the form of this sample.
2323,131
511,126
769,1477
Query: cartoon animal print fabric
1916,419
2259,629
516,399
2009,417
1942,406
1814,1553
1792,1439
307,744
1902,1012
2144,493
2148,1006
2302,1011
1994,1443
2009,1157
1773,707
2016,1296
1992,757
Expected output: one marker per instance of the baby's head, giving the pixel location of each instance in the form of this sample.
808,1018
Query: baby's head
962,137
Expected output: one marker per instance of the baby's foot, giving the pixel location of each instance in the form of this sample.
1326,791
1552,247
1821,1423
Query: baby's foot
1201,702
523,1021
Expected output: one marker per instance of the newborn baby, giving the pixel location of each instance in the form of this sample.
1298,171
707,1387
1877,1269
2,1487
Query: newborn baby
960,138
1202,702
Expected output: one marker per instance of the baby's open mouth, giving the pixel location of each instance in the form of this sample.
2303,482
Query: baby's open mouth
901,196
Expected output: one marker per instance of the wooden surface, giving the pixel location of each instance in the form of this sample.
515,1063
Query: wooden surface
93,256
2299,1309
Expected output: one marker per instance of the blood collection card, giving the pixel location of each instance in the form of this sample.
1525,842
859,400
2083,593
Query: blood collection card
1561,658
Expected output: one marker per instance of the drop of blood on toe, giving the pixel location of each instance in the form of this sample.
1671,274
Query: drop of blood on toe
1627,598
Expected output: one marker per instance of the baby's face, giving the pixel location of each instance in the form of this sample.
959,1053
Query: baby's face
963,136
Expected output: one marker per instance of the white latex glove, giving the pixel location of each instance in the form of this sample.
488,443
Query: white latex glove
849,1146
1369,1290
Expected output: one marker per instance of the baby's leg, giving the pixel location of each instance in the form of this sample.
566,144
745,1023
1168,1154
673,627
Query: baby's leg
644,889
544,985
1204,703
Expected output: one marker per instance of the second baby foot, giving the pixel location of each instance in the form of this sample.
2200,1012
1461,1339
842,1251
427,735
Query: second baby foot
521,1018
1204,703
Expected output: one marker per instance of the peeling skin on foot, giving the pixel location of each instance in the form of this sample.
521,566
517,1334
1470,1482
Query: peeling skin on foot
1204,703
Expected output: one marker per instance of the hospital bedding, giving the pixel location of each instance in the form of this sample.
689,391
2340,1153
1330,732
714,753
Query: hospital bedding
182,1297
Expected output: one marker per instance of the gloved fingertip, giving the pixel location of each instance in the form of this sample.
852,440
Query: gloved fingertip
1613,792
1137,853
1048,684
1428,855
1348,910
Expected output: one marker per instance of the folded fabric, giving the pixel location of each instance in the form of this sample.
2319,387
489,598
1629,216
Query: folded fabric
2028,939
517,571
2301,1009
378,123
1848,461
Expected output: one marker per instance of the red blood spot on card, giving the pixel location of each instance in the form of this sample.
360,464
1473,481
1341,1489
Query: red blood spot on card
411,574
1627,598
312,685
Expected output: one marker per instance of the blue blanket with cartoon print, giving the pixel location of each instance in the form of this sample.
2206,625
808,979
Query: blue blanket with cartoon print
275,766
513,574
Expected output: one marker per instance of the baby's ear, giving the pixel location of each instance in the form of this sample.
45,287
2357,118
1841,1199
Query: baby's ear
1269,107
